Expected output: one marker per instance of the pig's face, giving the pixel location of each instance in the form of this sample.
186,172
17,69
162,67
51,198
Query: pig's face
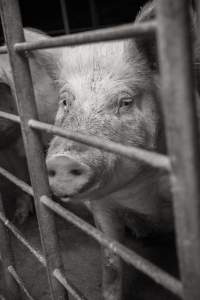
106,90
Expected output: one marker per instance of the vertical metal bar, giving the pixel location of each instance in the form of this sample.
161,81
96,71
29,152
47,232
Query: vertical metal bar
64,16
182,135
94,14
12,289
196,16
13,31
197,9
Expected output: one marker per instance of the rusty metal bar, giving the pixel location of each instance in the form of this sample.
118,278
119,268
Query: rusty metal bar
152,158
126,254
182,135
13,292
93,13
56,273
20,183
13,32
64,16
19,281
94,36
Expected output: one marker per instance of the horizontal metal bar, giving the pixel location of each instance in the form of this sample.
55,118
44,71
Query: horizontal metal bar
14,274
152,158
100,35
126,254
3,50
56,273
20,183
9,116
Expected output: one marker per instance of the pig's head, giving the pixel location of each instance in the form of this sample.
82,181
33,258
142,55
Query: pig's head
108,90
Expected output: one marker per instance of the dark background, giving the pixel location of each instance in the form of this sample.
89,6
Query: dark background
46,15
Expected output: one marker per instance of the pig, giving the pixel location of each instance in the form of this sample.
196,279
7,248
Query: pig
112,90
12,154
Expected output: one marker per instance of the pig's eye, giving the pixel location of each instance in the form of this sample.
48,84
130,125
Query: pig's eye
63,102
125,103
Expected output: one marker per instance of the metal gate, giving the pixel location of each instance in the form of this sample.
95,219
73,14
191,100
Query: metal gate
175,53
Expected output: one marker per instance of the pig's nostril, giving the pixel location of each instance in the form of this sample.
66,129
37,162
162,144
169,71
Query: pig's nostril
51,173
76,172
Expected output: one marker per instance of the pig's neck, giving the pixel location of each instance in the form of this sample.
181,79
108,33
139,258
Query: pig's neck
146,198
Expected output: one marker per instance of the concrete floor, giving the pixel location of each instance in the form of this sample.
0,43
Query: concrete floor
81,256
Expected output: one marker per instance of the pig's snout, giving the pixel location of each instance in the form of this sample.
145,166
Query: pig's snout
67,176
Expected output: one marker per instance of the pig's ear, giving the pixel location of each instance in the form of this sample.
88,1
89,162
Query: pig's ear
46,90
147,45
46,58
146,13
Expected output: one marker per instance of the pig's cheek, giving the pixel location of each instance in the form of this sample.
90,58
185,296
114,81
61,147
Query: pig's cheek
125,171
113,181
103,168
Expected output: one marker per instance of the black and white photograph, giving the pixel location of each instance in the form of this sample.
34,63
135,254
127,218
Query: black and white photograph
99,150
